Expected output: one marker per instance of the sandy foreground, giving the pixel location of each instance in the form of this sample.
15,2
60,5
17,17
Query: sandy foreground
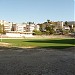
39,61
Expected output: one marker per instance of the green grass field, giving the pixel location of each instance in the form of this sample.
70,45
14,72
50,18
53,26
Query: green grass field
41,43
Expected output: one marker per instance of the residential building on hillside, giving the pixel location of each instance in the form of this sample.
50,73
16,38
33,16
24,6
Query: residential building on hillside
7,26
60,23
37,27
13,27
26,27
30,27
20,27
56,25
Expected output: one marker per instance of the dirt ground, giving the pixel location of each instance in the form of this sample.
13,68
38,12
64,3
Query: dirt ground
39,61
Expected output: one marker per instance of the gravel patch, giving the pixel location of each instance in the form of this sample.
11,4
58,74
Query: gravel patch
39,61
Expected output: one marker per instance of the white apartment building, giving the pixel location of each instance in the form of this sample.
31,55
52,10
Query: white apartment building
37,27
7,25
30,27
20,27
26,27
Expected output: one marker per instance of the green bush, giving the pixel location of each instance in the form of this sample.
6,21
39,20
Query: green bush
65,32
49,30
36,32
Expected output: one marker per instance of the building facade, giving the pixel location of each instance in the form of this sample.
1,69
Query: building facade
18,27
7,26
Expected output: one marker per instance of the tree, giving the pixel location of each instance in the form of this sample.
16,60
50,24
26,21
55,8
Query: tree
48,21
2,31
66,23
66,32
49,29
1,28
36,32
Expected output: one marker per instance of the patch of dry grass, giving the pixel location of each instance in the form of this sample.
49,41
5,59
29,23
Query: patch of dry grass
4,44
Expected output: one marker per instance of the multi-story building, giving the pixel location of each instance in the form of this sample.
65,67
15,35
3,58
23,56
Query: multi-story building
13,27
20,27
7,26
60,24
30,27
37,27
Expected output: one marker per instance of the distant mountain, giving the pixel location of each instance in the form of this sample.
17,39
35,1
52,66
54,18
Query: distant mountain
71,22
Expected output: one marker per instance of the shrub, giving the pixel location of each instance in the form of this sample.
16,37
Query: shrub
36,32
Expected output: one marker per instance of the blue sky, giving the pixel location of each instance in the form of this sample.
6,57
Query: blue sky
36,10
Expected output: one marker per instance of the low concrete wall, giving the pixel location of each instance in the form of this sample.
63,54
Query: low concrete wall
19,35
